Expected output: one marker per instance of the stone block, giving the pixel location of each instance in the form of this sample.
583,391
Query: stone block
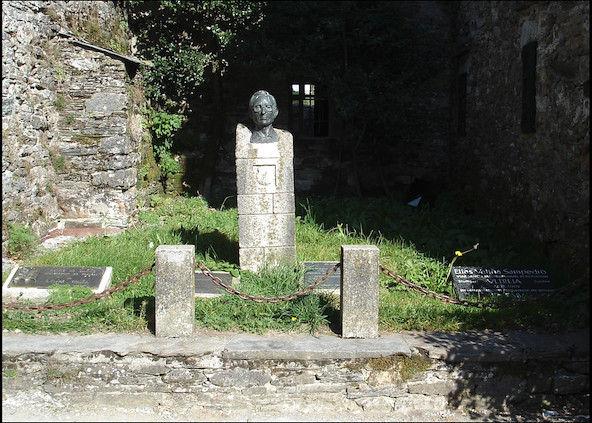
174,290
414,402
247,150
266,230
284,202
253,258
565,384
255,203
240,378
434,386
359,291
106,103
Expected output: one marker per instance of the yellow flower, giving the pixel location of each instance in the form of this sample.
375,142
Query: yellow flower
458,253
293,319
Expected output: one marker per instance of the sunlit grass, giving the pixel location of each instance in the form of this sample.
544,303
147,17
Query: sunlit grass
418,245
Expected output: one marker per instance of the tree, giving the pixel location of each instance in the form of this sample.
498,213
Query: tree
186,43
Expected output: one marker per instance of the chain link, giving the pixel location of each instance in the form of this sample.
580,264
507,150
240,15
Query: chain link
44,307
466,303
304,291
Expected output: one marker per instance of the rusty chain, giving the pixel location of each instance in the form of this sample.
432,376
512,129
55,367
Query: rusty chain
304,291
44,307
466,303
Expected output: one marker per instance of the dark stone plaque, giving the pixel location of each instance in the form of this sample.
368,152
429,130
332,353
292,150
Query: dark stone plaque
478,281
205,285
41,277
317,269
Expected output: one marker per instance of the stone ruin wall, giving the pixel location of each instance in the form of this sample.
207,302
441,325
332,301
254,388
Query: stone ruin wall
538,183
70,133
80,163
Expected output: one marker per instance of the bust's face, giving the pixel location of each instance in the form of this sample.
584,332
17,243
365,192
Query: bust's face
263,111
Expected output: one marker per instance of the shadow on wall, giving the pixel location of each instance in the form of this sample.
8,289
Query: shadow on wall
515,371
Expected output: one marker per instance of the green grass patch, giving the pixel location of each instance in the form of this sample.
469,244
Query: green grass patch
418,245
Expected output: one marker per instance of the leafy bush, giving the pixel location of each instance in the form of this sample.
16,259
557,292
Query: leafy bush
163,126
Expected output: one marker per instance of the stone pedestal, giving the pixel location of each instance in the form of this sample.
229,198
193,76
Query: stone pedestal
359,291
265,200
174,290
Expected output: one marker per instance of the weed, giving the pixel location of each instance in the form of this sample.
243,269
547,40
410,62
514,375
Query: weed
58,163
406,365
60,102
9,373
21,240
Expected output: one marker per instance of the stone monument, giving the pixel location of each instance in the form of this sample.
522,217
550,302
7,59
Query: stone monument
265,188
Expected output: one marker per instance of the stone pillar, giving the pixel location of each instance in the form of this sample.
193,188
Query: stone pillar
265,200
174,290
359,291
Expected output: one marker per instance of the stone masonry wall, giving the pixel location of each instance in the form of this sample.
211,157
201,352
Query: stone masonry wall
397,384
70,133
538,183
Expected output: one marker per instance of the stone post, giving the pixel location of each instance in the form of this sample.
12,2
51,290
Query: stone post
174,290
359,291
265,200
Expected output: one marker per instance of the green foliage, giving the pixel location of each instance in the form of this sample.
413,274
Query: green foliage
57,161
231,312
66,293
60,102
184,39
163,127
22,241
320,230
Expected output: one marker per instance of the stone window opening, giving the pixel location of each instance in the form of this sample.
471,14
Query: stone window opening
309,110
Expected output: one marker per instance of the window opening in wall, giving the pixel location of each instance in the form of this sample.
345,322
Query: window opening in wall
462,104
309,113
528,121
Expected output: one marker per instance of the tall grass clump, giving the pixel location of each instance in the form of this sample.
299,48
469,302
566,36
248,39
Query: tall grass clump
230,312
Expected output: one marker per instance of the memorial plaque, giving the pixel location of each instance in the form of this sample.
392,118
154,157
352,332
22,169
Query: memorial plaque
478,281
33,281
317,269
205,286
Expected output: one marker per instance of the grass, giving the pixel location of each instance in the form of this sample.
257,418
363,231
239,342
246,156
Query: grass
417,244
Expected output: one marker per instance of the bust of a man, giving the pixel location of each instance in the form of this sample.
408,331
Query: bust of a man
263,111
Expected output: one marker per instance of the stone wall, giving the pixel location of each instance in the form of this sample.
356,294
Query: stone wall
383,163
70,132
466,377
538,183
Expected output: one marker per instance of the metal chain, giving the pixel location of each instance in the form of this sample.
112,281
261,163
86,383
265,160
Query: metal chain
304,291
466,303
44,307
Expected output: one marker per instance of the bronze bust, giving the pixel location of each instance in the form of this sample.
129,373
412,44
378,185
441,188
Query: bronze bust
263,111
